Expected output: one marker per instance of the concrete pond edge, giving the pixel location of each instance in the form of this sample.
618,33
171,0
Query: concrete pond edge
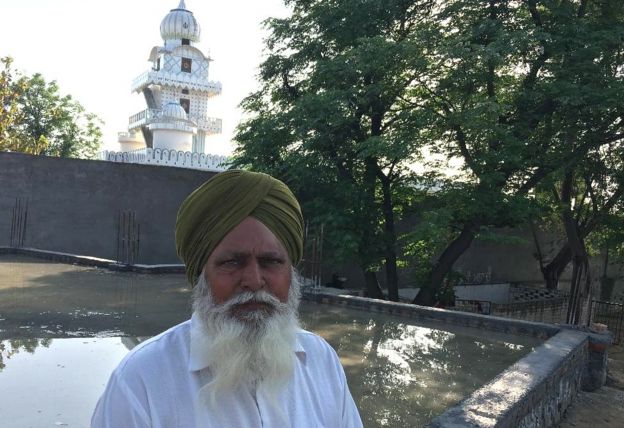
92,261
533,392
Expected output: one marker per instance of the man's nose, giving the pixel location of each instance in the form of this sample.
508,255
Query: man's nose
252,278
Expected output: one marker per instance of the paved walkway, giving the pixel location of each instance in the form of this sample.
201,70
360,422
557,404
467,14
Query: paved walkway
605,407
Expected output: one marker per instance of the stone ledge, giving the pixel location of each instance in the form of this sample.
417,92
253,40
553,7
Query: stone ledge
534,392
415,312
93,261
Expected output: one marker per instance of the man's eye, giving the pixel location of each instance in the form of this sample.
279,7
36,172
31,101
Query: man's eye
273,261
229,262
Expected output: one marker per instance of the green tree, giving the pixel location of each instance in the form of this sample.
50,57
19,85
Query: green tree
521,90
332,119
588,202
12,86
42,121
609,240
60,122
597,201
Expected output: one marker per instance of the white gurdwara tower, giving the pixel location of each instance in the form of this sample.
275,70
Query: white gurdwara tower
176,90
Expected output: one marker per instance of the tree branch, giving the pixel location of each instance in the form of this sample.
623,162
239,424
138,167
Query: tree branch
491,91
463,148
538,248
537,19
582,8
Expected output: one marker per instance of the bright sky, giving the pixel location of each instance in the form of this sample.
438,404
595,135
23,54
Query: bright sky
94,48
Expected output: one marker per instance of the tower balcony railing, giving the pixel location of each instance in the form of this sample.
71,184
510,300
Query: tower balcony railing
181,80
143,118
210,125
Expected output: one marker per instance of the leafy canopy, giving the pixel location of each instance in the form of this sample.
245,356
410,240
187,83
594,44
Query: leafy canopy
37,119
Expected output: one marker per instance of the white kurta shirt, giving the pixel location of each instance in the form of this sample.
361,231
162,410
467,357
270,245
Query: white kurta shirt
157,383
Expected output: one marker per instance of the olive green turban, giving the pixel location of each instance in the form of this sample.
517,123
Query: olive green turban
221,203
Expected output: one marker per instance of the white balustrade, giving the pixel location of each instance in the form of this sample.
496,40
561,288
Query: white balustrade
167,157
176,79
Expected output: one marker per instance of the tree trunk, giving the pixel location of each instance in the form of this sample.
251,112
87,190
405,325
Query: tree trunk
580,295
606,283
369,237
372,285
580,285
392,280
553,270
445,263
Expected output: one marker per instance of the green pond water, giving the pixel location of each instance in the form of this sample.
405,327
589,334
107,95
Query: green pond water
64,328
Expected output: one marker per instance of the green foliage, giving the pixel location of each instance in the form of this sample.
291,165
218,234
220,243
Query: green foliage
355,91
332,120
521,91
42,121
428,237
596,206
11,89
494,235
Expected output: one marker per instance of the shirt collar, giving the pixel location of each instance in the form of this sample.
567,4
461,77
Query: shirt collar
201,342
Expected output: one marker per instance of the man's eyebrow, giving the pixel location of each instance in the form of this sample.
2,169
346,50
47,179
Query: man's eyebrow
231,254
272,254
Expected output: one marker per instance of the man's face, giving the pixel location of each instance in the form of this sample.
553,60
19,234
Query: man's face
249,258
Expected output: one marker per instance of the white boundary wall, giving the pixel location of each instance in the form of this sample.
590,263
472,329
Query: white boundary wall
166,157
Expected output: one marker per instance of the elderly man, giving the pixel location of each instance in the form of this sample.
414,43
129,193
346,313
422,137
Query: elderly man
241,360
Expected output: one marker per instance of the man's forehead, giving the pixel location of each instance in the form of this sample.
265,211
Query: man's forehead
250,236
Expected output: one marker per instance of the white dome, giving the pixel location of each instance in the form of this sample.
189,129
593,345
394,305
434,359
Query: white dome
180,24
175,111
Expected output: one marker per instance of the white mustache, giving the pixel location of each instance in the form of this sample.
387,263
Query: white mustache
260,296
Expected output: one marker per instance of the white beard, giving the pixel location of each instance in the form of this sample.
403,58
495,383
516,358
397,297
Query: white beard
254,348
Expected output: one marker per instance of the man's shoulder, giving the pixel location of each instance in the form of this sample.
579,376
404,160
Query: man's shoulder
321,360
170,345
309,336
314,344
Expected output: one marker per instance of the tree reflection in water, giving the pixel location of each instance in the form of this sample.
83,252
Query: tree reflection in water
404,375
11,347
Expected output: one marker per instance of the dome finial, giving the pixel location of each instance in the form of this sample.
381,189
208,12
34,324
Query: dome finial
180,24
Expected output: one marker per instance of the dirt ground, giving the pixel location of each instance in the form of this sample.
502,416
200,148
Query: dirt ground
605,407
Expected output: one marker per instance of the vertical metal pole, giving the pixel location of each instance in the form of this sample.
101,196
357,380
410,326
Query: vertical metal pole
128,215
131,238
320,254
138,239
19,221
13,224
118,236
620,325
25,224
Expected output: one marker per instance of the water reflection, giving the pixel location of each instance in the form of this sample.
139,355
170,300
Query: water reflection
400,374
9,348
43,299
55,382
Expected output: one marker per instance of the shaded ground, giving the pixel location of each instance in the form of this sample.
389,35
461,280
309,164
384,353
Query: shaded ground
605,407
